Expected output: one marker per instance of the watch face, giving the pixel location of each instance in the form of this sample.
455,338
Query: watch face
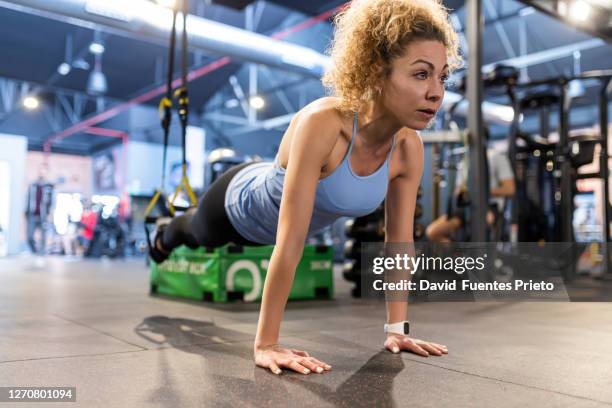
406,327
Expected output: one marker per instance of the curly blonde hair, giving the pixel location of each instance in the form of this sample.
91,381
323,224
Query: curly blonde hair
370,34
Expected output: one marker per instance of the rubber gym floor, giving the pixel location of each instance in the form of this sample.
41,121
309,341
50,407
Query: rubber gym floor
92,325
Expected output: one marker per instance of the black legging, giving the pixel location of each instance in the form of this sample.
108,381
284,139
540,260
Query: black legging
208,225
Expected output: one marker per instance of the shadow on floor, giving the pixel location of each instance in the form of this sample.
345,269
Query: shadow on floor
370,385
184,333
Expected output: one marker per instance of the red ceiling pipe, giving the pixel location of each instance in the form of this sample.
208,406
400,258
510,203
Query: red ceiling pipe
308,23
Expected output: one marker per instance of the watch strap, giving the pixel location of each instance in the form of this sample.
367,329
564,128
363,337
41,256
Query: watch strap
398,328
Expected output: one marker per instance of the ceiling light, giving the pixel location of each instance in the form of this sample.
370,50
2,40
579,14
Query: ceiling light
257,102
580,10
97,83
96,48
576,89
31,102
64,68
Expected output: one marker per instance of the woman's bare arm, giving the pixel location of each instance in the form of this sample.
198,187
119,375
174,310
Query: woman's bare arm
315,134
400,204
399,220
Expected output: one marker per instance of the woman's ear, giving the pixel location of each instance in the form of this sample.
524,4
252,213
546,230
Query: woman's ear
377,89
383,73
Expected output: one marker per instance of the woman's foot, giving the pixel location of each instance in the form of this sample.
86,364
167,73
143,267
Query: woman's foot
156,251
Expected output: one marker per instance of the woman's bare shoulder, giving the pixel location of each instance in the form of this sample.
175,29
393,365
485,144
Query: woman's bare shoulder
409,142
321,120
322,110
410,151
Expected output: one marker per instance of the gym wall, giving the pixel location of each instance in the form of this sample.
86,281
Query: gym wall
13,152
73,170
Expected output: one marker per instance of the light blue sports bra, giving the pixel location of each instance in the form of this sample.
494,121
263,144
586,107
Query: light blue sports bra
252,199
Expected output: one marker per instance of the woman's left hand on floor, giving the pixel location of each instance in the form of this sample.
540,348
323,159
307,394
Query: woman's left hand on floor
397,342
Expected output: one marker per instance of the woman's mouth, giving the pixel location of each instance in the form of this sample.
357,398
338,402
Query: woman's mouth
427,114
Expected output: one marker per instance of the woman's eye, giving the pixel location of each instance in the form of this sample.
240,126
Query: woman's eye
421,75
444,79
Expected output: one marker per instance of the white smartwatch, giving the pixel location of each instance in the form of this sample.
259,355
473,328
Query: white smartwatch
398,328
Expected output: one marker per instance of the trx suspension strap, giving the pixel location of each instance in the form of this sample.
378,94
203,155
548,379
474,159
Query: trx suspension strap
165,115
183,112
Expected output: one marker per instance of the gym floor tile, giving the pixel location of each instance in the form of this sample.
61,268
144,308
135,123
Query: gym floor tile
51,336
558,361
93,325
224,375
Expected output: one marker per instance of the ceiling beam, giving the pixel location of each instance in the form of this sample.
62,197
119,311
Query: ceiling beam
598,24
148,20
61,9
542,57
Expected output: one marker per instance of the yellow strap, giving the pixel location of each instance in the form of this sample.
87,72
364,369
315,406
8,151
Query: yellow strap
164,104
185,184
171,208
152,203
192,197
179,92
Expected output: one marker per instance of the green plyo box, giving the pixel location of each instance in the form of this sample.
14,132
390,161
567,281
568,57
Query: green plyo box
238,273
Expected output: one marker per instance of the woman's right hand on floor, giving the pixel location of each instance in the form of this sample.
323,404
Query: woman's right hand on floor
276,357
